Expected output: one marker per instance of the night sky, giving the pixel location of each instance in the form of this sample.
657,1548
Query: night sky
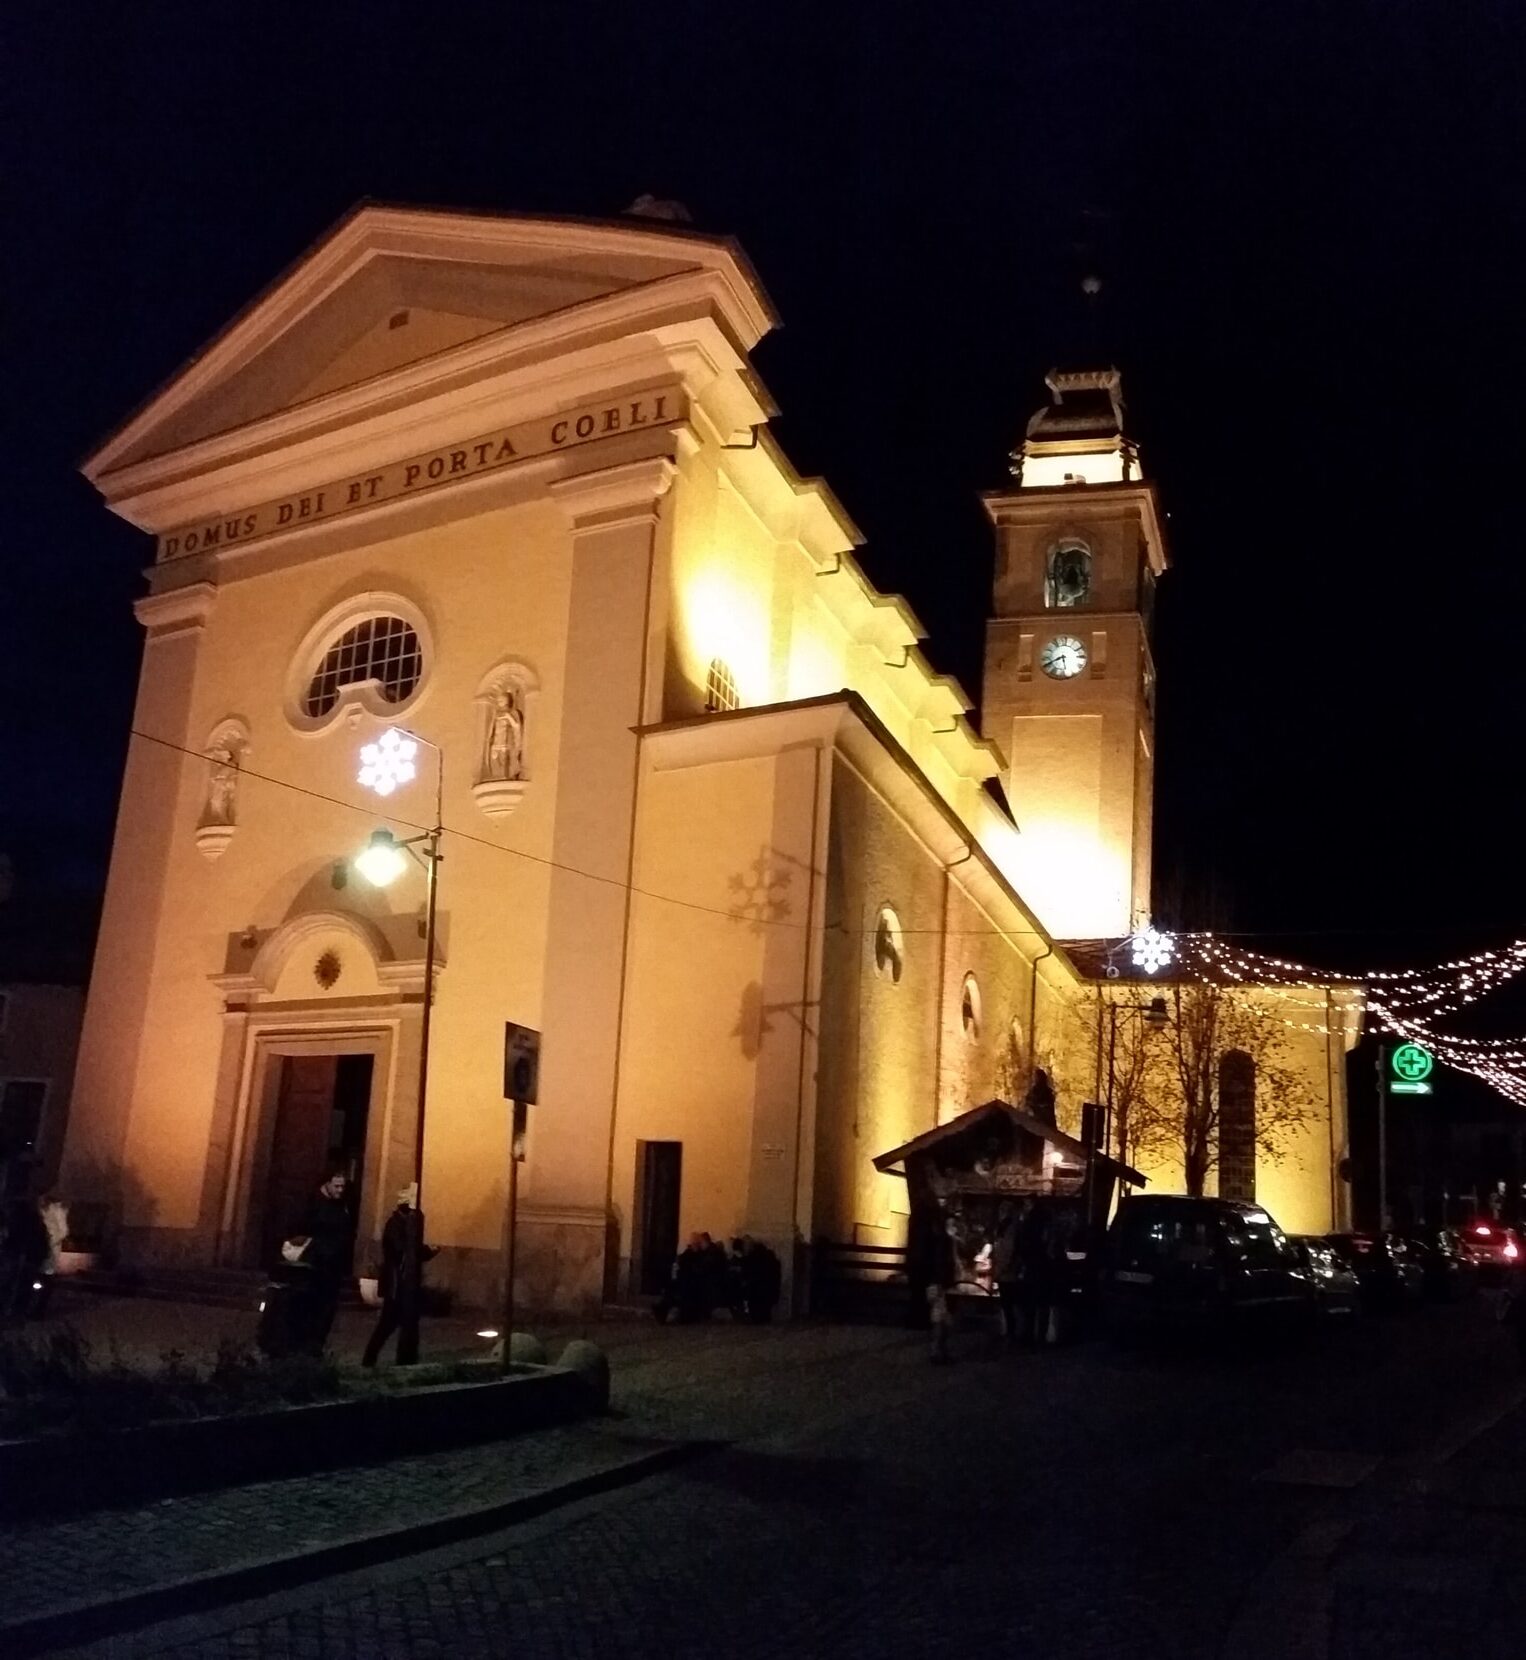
1310,222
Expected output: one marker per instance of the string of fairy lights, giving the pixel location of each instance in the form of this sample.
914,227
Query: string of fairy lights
1406,1003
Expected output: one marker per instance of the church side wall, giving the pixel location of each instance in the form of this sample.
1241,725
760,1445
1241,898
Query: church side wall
986,1059
879,1033
717,1051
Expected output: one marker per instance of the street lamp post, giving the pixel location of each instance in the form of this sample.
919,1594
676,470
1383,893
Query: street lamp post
386,764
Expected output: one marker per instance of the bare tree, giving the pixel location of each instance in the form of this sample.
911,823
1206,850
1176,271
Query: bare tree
1114,1054
1179,1107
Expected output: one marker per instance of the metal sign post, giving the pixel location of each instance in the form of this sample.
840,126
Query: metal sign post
1407,1072
521,1084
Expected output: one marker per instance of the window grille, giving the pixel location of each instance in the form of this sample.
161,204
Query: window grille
720,688
380,649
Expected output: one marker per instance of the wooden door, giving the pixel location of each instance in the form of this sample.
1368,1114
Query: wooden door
299,1148
659,1178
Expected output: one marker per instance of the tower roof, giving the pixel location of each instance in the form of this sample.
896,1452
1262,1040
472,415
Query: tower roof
1078,436
1084,403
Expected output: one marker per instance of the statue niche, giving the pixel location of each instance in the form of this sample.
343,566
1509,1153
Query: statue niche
504,760
224,750
502,765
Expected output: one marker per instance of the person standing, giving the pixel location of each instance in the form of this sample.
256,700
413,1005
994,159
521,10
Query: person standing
404,1254
1007,1269
1033,1257
930,1265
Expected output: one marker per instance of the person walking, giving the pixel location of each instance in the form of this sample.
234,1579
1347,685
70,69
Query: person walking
323,1259
404,1254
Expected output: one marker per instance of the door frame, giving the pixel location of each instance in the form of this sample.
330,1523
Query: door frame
260,1086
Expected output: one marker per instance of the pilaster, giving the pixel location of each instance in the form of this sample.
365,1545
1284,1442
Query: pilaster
616,624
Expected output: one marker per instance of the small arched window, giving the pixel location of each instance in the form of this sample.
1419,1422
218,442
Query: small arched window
969,1008
889,946
1068,578
381,651
720,688
1237,1125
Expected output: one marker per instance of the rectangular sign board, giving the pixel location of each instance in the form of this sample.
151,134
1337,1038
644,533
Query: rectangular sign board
521,1063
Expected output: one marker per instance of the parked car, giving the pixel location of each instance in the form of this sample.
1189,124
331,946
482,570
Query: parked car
1337,1290
1490,1246
1446,1271
1175,1259
1389,1276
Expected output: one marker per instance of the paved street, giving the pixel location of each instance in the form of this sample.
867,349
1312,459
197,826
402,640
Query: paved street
1084,1502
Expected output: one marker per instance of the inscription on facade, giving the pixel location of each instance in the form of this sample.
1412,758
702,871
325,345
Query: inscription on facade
661,406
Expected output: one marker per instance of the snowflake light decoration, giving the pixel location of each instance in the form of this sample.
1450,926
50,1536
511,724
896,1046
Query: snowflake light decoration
388,762
1152,949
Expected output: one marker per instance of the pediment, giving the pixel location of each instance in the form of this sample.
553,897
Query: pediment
391,288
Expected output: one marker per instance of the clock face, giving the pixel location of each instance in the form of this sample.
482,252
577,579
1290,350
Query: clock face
1063,657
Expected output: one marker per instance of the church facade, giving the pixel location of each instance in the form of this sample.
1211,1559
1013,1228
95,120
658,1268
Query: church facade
712,824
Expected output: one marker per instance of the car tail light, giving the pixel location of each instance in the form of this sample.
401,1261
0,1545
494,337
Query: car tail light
1511,1249
1481,1231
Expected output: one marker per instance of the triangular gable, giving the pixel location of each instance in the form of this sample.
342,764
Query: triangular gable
929,1139
392,287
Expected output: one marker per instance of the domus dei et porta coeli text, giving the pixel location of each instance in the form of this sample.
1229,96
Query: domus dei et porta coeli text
713,825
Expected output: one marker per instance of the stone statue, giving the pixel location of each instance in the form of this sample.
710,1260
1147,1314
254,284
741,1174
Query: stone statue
222,786
505,738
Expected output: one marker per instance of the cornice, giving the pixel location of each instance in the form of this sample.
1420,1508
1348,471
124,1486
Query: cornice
1025,505
293,453
614,496
177,610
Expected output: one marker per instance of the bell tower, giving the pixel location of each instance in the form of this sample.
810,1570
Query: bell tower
1069,694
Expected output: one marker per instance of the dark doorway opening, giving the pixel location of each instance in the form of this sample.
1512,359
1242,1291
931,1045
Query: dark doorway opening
21,1102
321,1112
659,1176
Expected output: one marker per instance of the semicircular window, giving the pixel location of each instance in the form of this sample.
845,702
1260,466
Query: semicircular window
383,652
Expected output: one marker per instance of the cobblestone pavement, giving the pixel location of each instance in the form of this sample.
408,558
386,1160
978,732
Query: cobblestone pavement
1432,1562
664,1379
1087,1502
109,1553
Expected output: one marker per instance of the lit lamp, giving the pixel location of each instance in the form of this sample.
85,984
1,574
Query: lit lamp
382,860
384,766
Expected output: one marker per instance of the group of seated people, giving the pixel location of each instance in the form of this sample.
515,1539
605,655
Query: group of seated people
705,1278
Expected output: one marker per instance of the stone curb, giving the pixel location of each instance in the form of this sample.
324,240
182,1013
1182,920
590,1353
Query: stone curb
76,1623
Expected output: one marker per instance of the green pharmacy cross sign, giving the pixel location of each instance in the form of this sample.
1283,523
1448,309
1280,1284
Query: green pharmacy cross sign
1411,1067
